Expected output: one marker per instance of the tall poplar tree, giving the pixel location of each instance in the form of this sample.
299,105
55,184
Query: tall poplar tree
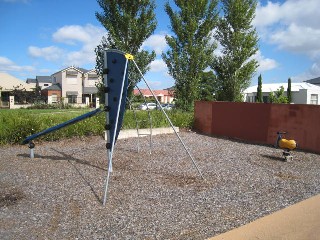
289,96
238,38
128,25
191,46
259,90
207,86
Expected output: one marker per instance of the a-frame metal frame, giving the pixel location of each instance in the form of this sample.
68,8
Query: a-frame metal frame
114,60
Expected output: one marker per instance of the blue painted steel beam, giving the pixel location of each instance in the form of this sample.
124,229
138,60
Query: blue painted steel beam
61,125
116,83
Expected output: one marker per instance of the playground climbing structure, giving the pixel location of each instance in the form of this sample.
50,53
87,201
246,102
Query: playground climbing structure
115,79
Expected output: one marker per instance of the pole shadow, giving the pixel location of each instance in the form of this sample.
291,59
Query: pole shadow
272,157
70,159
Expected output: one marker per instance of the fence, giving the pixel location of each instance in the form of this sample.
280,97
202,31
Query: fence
4,104
259,122
75,102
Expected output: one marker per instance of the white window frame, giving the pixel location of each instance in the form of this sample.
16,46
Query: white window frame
54,97
314,99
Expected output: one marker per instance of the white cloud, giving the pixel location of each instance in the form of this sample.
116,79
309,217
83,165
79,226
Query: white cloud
265,64
156,42
88,36
267,15
158,65
51,53
299,39
290,11
312,72
291,25
71,34
7,65
84,38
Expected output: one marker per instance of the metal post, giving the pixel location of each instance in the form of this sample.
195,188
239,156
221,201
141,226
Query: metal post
107,179
194,163
110,154
31,147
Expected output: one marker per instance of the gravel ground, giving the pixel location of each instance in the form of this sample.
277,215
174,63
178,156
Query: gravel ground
58,194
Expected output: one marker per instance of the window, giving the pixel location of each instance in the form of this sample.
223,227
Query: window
54,98
92,77
72,73
72,98
46,84
72,79
314,99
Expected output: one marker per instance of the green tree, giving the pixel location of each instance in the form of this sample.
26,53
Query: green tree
238,38
190,47
129,24
289,91
207,86
0,96
278,96
259,90
20,94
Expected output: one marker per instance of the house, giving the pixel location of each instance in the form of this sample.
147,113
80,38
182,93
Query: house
90,79
164,96
40,81
43,81
31,81
52,93
315,81
8,83
77,84
302,93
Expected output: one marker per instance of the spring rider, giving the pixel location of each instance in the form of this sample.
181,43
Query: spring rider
286,145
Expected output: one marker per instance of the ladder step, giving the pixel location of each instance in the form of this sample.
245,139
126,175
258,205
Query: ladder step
144,134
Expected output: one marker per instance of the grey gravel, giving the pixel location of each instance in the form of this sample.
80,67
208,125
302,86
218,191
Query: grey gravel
58,194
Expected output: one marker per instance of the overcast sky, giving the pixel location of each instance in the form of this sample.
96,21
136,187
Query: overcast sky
40,37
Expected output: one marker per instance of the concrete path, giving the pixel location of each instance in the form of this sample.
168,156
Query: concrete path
297,222
128,133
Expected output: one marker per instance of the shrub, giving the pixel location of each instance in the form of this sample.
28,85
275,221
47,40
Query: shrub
16,125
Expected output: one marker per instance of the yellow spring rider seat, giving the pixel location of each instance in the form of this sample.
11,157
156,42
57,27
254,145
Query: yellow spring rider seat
286,145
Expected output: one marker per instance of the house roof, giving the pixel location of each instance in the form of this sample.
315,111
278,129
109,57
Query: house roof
272,87
91,72
31,80
54,87
81,70
314,80
146,92
8,82
44,79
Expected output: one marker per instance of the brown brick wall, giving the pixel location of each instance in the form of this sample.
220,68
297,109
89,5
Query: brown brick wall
259,122
49,93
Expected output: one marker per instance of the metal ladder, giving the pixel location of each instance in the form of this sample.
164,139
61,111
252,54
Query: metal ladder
138,121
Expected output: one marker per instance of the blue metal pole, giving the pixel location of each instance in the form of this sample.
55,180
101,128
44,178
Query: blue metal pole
61,125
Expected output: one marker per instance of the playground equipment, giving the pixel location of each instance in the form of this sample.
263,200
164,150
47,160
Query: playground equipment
115,78
29,139
286,145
